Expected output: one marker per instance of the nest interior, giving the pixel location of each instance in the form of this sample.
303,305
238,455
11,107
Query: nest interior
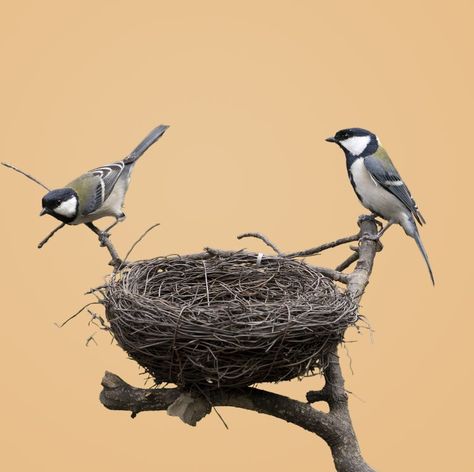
226,321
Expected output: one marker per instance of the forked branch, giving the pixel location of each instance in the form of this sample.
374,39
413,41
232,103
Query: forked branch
335,427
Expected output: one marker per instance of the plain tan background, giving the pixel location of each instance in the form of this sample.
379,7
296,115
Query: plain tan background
250,89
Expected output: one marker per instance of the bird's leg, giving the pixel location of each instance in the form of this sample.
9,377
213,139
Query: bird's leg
117,220
376,237
378,223
382,231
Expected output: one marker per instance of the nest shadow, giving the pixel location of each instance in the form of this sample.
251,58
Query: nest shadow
226,320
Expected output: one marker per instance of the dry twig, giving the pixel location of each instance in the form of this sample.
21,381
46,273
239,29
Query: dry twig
10,166
139,240
262,237
316,250
50,235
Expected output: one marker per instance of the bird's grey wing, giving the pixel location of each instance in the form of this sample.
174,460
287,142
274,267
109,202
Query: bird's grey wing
384,173
96,185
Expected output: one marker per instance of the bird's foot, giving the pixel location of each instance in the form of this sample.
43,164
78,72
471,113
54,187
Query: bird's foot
373,237
369,237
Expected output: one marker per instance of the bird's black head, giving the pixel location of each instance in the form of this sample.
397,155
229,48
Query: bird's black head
356,141
61,203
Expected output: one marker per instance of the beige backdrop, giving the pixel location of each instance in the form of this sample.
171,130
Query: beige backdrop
250,89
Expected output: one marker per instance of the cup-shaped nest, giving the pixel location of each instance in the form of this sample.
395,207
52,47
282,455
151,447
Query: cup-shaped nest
226,320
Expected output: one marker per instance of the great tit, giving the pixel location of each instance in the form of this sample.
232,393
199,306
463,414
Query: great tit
378,184
99,192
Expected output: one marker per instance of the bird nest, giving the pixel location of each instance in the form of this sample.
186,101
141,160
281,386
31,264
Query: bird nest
227,319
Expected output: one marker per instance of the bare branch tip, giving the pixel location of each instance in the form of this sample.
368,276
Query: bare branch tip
263,238
112,381
12,167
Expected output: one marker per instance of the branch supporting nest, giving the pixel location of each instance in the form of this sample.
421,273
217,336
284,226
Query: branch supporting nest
335,427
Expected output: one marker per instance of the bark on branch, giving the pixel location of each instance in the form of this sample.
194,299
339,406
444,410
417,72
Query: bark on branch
334,427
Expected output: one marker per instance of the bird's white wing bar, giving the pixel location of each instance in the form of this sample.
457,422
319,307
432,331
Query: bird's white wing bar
108,176
103,180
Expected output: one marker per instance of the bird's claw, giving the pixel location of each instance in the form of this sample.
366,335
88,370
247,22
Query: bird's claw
369,237
372,237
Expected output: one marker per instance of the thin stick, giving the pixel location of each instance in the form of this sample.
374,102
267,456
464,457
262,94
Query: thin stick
9,166
333,274
91,338
60,325
348,262
50,235
139,240
116,262
262,237
323,247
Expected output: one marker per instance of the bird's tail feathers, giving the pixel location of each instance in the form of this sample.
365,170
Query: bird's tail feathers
152,137
419,217
417,238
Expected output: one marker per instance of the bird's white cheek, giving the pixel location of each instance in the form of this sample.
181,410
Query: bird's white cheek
67,208
356,145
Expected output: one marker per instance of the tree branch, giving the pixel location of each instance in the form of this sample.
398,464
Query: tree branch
316,250
331,273
50,235
334,427
359,279
349,261
119,395
12,167
116,262
262,237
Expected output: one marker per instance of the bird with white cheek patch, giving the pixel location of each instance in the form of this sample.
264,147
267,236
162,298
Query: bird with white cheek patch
99,192
378,184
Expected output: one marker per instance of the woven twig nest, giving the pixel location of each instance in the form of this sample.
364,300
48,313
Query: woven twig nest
226,320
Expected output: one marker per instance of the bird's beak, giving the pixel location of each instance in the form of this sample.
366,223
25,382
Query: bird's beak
331,140
43,212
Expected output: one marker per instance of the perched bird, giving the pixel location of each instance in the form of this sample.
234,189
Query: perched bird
99,192
378,184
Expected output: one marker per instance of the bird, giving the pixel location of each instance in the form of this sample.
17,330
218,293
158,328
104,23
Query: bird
378,184
98,193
